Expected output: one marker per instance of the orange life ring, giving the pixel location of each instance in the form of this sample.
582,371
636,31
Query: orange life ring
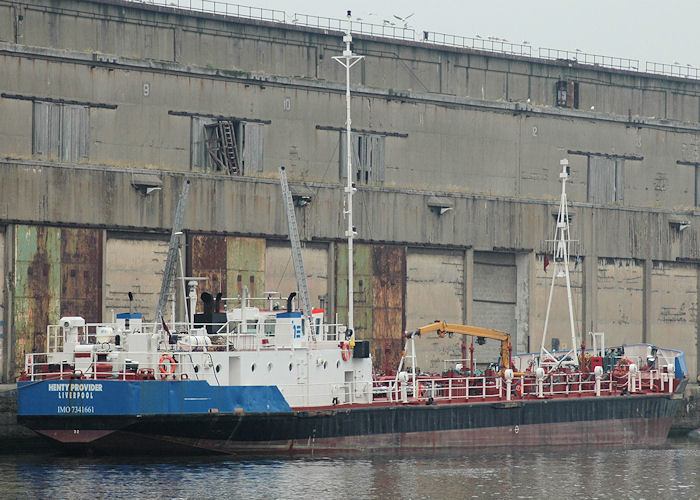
345,351
170,360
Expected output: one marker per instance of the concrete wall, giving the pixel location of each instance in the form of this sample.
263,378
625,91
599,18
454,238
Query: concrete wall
279,272
132,264
126,29
3,308
434,291
456,125
674,307
444,140
620,300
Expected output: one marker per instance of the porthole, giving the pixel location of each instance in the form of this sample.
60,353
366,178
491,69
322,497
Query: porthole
325,365
252,367
290,367
269,366
218,368
337,364
196,368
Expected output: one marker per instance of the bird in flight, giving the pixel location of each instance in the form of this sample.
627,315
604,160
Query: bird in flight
404,20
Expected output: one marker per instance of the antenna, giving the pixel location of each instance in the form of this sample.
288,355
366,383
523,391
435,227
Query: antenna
348,60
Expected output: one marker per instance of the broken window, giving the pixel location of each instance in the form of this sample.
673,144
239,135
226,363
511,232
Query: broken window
230,146
606,179
61,131
567,94
368,151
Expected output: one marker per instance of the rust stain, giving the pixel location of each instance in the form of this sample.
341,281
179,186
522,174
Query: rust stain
81,273
36,288
389,289
207,258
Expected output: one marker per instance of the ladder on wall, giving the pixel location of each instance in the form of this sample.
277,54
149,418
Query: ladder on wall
296,249
228,139
222,148
172,252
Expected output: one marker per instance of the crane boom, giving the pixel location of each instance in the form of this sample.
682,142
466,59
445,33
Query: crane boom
172,251
474,331
296,248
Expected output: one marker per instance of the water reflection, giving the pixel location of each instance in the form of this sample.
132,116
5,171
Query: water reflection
670,471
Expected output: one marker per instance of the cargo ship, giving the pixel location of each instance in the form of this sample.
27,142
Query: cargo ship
267,375
262,376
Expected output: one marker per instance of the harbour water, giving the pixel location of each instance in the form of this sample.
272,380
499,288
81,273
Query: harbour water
670,471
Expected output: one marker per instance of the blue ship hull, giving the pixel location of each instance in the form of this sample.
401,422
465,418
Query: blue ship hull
144,397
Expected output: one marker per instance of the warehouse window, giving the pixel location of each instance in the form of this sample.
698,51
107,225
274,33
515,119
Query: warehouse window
367,157
606,179
567,94
226,145
60,131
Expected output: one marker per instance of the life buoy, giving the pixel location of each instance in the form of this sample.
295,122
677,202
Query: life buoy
421,390
345,351
162,366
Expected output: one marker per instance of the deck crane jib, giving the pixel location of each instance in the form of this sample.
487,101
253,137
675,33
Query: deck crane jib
304,327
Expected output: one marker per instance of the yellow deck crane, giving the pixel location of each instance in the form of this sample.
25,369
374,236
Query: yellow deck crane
443,328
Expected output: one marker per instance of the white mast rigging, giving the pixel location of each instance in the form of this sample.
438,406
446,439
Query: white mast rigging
348,60
561,254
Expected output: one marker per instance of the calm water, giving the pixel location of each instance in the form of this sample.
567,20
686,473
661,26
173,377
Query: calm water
669,472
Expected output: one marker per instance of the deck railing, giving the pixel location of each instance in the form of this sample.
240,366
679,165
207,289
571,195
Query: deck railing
232,335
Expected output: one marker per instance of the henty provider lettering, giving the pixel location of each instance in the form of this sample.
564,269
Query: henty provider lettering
78,390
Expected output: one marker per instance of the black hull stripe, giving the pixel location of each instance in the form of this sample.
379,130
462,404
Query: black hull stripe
368,421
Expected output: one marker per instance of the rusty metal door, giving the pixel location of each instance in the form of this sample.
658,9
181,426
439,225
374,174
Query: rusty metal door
363,289
388,319
81,273
207,259
37,287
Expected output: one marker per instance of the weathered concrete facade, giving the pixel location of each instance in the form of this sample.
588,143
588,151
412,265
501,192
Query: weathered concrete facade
102,99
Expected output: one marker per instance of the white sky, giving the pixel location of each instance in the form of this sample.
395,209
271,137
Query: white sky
657,31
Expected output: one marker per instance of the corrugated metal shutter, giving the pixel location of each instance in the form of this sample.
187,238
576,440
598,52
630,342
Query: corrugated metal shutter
199,158
356,163
367,157
377,143
601,180
620,180
253,147
61,131
75,128
494,298
46,130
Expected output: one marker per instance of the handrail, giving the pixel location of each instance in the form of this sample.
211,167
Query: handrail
393,29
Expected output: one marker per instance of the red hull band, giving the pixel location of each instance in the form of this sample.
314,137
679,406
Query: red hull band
621,432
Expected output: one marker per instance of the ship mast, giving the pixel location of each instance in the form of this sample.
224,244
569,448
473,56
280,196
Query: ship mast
348,60
561,254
